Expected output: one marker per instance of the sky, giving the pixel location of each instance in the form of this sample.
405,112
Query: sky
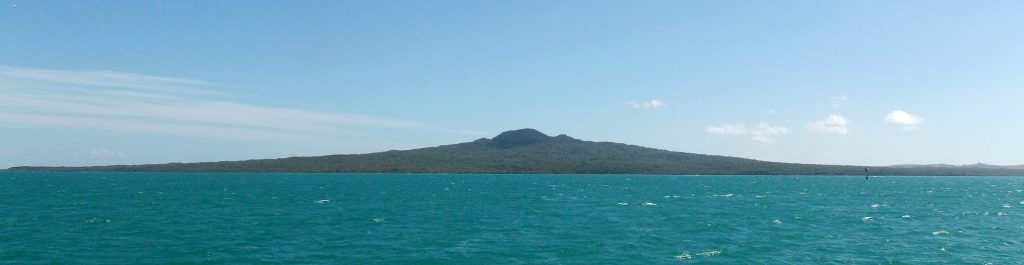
829,82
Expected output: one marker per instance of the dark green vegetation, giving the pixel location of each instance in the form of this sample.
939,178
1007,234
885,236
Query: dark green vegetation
530,151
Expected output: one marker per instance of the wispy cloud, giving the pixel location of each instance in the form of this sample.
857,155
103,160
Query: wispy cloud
650,104
904,119
105,80
765,133
833,124
162,105
838,101
728,129
762,133
103,153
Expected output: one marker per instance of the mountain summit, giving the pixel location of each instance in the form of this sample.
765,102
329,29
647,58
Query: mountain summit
523,137
518,138
532,152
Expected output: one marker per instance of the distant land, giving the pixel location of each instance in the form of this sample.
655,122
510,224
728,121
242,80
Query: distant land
528,151
978,165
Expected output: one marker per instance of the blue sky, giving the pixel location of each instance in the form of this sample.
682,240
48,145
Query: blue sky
837,82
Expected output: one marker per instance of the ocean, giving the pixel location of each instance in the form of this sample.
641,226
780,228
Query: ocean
217,218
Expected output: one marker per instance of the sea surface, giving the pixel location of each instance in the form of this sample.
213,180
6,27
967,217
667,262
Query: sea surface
174,218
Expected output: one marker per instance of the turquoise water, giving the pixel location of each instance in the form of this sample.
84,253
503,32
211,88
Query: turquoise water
123,218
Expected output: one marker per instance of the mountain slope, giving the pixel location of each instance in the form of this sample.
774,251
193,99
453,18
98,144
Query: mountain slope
530,151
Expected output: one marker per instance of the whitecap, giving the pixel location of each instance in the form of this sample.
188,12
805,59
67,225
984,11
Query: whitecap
867,219
875,206
378,220
684,256
1001,214
322,201
95,220
940,233
727,195
649,204
710,253
623,203
777,221
905,216
1007,205
759,196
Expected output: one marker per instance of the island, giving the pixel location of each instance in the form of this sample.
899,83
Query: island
528,151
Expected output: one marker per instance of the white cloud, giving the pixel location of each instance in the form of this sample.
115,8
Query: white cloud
103,153
833,124
907,120
765,133
650,104
762,133
728,129
838,101
162,105
765,129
